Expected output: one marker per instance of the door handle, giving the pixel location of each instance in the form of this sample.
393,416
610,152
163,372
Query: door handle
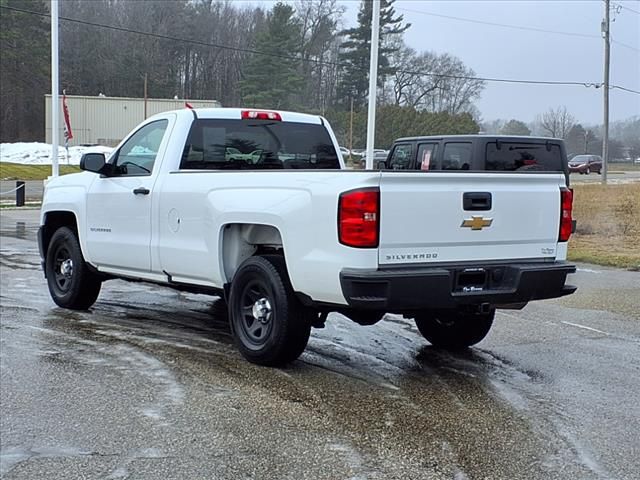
476,201
141,191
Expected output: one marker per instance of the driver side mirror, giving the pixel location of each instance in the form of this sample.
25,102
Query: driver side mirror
96,163
382,165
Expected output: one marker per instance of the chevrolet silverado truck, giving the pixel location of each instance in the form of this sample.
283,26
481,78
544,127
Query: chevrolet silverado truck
256,207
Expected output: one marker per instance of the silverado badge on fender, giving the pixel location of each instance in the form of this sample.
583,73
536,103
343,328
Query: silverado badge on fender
477,223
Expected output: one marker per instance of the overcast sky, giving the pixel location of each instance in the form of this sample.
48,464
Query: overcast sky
494,51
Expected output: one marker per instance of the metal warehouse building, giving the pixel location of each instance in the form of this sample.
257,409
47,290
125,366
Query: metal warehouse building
107,120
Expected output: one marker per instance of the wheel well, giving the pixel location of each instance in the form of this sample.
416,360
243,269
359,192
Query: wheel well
243,240
53,221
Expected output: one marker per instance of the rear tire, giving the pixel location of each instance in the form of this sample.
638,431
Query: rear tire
269,325
71,283
454,329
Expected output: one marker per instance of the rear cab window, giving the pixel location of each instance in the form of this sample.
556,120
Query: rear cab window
227,144
523,156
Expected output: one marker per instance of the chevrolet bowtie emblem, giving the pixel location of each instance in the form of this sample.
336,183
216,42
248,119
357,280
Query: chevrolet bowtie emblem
477,223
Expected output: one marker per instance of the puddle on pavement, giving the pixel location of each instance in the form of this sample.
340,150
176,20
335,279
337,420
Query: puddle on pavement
20,230
11,456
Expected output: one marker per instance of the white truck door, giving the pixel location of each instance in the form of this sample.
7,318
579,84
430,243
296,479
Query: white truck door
119,206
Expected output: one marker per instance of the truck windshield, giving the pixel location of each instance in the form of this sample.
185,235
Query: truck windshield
258,144
524,156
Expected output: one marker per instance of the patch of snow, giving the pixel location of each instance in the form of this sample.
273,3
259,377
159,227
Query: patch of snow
588,270
36,153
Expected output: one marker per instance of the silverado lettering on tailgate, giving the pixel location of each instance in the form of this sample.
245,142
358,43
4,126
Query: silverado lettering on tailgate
412,256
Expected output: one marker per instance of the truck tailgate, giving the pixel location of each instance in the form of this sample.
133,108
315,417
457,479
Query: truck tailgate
468,217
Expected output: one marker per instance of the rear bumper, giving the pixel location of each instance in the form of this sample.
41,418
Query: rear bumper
406,289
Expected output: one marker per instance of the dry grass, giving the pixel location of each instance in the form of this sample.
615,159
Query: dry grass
18,171
608,229
624,167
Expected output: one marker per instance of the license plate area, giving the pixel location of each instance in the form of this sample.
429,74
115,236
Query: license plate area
471,280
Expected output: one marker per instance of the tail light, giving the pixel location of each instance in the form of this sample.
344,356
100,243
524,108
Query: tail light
566,222
260,115
359,218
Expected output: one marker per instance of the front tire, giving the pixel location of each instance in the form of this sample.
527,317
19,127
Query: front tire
454,329
269,325
71,283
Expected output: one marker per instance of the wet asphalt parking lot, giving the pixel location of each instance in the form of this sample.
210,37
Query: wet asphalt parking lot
147,385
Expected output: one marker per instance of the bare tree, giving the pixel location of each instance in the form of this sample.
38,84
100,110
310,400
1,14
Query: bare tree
319,21
433,83
557,122
410,87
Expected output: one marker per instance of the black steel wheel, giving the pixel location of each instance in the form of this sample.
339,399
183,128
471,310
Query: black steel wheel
454,329
71,283
269,325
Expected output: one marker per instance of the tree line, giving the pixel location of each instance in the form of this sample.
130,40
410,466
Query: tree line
295,56
624,135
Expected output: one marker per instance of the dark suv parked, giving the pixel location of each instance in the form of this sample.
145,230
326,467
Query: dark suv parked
494,153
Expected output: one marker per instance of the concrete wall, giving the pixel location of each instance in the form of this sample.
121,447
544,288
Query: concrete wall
106,120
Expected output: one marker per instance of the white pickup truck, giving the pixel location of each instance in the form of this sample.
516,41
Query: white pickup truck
257,207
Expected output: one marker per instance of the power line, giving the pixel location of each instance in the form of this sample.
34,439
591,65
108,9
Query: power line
514,27
625,45
625,89
630,9
502,25
318,62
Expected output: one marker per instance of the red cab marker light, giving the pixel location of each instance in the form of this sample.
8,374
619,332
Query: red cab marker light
260,115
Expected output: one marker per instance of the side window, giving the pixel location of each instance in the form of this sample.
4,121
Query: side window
427,156
457,156
138,154
401,157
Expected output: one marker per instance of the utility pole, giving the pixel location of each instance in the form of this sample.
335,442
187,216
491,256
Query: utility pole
607,46
586,141
145,96
373,82
351,129
55,104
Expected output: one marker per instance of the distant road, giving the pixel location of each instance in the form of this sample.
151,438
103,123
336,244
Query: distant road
615,177
34,189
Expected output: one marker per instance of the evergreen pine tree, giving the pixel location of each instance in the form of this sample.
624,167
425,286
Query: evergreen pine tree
273,81
356,50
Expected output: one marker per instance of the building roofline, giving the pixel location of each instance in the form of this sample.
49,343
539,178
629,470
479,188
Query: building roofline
92,97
